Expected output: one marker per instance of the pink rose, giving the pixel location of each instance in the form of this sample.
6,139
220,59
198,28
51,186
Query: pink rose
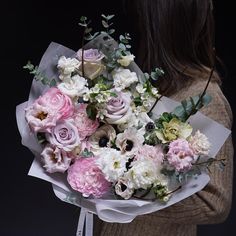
64,135
59,103
55,159
180,155
91,55
118,109
84,176
85,126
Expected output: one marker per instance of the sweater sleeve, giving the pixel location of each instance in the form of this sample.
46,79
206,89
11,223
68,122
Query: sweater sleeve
213,203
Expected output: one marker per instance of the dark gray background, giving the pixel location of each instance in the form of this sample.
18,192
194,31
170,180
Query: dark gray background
28,205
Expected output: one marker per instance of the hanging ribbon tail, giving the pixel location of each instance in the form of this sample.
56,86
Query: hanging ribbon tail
86,218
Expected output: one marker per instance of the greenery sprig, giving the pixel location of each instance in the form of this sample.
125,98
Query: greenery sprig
39,76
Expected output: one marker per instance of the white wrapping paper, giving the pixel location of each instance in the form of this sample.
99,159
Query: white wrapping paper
108,209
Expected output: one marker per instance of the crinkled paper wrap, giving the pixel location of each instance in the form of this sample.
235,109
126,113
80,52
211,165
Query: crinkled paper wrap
110,210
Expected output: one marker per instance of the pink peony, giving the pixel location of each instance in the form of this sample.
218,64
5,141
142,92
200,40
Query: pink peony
59,103
64,135
84,176
180,155
85,126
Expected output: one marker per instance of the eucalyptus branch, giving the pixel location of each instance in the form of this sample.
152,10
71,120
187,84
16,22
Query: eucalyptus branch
210,162
106,24
38,75
193,111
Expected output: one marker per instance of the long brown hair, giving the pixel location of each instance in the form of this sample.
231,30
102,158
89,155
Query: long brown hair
176,35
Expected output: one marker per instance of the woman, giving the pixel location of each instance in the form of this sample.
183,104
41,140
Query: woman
178,36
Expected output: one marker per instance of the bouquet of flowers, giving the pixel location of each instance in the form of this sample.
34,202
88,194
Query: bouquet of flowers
104,136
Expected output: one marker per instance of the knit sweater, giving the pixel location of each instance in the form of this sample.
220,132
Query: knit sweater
210,205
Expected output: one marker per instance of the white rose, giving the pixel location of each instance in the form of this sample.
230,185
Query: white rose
123,78
74,87
125,60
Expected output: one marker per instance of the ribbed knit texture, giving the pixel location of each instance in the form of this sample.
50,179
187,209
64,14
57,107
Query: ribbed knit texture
210,205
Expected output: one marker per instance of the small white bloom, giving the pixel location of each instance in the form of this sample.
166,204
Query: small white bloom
123,78
140,89
112,163
199,143
126,60
74,87
154,91
66,66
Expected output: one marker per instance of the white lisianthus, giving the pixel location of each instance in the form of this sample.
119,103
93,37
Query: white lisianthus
143,173
123,78
74,87
112,163
126,60
199,143
67,66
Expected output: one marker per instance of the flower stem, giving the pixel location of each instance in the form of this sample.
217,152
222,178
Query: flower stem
159,98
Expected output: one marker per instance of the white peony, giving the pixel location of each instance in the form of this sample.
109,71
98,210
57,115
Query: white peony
123,78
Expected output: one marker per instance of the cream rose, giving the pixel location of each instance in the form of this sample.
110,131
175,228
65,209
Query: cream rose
126,60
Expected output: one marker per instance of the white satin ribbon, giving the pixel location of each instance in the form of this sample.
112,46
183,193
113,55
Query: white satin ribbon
87,218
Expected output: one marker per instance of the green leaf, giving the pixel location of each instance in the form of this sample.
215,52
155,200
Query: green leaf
91,111
83,24
109,17
53,83
122,46
105,25
111,31
190,106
